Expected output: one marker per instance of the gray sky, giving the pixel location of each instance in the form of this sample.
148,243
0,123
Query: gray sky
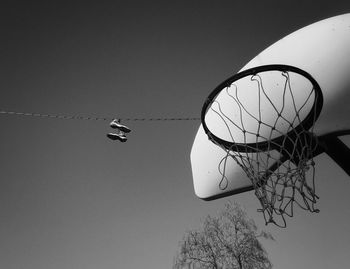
71,198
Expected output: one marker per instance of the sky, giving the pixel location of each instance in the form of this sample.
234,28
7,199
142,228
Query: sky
72,198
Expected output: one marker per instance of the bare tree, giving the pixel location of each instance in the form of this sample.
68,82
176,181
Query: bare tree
228,240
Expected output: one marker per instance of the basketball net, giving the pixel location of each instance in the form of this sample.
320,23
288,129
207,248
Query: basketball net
281,170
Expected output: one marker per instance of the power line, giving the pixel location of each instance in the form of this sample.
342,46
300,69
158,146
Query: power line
78,117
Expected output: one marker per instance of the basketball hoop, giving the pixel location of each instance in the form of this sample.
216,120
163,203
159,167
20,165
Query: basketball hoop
268,131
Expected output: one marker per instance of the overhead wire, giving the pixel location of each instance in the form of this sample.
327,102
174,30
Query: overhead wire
92,118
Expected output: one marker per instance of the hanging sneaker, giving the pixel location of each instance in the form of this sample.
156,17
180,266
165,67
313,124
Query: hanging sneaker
121,137
115,124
